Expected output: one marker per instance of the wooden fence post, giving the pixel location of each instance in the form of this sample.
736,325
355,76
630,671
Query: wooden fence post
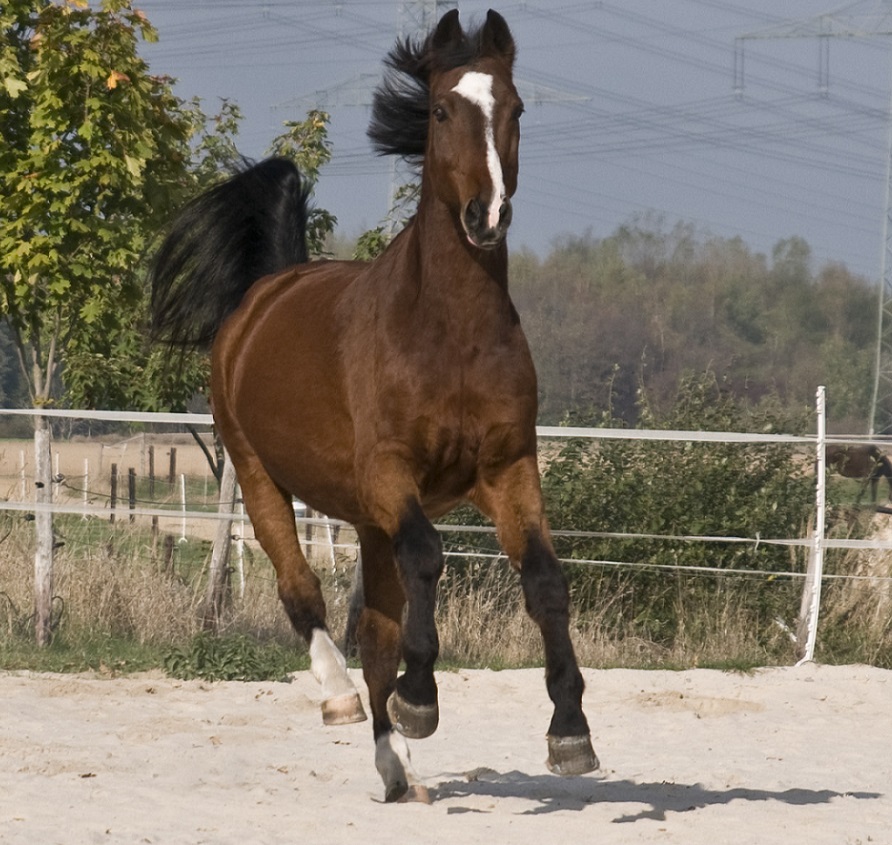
169,546
218,574
113,495
131,492
152,473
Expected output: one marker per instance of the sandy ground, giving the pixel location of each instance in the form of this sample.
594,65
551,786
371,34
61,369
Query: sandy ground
87,464
100,453
798,755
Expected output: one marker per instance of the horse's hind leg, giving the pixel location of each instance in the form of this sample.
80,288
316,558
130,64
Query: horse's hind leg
272,514
378,633
513,501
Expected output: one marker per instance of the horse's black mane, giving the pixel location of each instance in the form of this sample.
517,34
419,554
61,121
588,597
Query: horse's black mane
401,103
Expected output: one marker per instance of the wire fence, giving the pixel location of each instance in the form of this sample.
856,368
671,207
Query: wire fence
163,479
188,493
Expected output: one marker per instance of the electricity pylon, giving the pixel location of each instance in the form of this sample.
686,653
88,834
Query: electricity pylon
414,16
868,19
422,15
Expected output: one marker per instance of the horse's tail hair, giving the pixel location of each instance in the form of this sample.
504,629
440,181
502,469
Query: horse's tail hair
223,241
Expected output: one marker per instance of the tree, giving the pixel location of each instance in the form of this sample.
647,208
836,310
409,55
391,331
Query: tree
372,243
305,142
95,151
118,367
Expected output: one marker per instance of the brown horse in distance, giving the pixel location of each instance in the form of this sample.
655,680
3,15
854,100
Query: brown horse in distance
385,393
865,462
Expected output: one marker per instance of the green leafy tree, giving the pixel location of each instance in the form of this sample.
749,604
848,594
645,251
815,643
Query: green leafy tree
372,243
94,153
119,368
306,143
649,303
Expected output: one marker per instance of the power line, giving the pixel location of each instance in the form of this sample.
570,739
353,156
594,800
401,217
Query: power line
687,141
851,22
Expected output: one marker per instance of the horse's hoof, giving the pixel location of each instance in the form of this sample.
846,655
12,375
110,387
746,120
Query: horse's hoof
415,721
343,710
397,791
571,755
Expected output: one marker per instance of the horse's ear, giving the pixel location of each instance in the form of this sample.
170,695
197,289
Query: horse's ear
496,38
448,33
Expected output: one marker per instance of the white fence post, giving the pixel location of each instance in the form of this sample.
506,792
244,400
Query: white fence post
43,523
86,485
811,600
218,571
183,507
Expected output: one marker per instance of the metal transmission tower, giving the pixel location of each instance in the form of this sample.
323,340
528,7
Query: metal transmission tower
422,15
415,16
868,19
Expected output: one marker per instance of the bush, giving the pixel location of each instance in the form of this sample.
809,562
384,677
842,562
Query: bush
675,489
230,658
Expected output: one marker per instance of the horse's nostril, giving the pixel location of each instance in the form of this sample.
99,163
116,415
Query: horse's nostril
474,213
505,213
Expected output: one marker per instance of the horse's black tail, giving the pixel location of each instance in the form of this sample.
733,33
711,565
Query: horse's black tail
223,241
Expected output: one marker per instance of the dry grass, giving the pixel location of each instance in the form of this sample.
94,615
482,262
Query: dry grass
114,583
857,612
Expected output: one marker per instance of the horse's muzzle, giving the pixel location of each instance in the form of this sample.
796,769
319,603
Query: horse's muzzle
478,228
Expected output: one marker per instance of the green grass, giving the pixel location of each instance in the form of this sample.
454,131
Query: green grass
232,658
104,655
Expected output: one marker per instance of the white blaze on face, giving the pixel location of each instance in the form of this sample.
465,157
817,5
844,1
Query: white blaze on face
477,88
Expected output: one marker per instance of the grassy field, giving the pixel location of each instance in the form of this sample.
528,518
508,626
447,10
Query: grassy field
129,599
127,602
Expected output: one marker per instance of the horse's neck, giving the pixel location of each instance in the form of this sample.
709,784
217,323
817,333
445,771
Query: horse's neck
446,268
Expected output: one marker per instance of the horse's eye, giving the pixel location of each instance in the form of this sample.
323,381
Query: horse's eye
439,113
518,111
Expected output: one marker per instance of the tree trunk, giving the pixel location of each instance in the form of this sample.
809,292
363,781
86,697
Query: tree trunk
43,528
218,576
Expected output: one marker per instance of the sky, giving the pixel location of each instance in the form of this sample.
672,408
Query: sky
636,109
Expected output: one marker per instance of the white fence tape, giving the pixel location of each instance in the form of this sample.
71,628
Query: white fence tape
812,442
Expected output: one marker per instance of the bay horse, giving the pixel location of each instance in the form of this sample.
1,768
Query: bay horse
384,393
863,461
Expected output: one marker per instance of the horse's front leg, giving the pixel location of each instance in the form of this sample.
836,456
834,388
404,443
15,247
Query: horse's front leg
413,705
512,498
392,499
379,638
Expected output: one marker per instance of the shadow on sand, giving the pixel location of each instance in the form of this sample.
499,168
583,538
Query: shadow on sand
548,794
